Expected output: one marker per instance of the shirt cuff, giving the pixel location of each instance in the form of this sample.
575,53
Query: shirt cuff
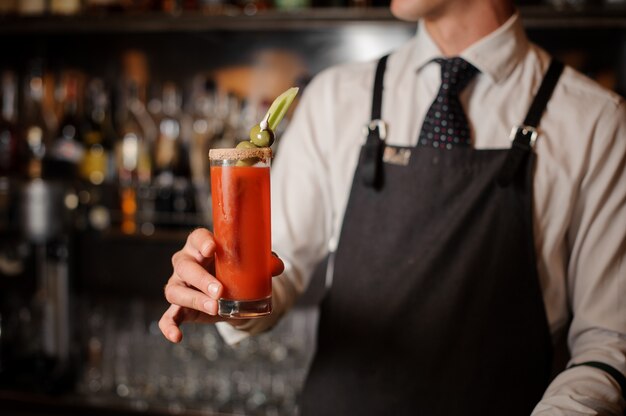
233,335
581,391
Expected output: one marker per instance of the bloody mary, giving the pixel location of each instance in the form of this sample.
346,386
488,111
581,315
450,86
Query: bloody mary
240,188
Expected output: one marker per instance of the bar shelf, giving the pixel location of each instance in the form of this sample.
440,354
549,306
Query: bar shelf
535,17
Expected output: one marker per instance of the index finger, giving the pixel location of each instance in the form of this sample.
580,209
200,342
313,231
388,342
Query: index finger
176,315
170,323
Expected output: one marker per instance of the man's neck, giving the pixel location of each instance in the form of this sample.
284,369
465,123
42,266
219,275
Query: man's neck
464,23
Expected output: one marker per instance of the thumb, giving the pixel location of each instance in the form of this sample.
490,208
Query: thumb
276,265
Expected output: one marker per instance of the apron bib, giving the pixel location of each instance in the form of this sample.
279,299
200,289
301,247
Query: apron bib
435,306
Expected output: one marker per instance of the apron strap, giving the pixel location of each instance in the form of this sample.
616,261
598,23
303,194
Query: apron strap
372,155
377,97
524,136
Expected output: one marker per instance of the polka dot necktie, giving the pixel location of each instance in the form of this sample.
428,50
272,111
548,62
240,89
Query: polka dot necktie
445,125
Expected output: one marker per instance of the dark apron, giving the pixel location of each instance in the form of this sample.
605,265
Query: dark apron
435,306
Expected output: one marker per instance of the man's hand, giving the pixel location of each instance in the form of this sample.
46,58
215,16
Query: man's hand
192,289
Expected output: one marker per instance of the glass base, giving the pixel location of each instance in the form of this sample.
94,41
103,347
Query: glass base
244,308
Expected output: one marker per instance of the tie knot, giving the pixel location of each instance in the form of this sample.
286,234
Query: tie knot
456,73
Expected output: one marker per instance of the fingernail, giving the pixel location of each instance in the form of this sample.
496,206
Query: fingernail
214,289
211,307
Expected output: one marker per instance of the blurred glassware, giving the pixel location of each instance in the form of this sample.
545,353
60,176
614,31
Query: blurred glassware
128,358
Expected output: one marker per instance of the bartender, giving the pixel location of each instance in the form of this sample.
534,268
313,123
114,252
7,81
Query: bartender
475,227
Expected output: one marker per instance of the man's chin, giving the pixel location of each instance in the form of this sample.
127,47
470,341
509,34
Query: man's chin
404,15
407,10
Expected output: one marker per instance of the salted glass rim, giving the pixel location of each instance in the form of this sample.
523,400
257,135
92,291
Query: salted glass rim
238,154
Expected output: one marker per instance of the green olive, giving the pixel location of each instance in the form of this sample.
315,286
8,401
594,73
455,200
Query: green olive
260,137
249,161
246,145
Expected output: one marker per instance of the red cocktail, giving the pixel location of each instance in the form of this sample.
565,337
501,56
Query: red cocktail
240,188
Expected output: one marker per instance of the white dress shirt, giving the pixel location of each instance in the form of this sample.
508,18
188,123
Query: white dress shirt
579,188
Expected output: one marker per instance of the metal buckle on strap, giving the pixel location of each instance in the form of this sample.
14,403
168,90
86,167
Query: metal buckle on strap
376,124
525,131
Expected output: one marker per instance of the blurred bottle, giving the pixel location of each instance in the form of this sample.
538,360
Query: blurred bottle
97,165
132,157
10,157
190,5
217,7
65,7
97,194
67,151
35,129
359,3
140,5
204,125
171,6
228,124
10,149
137,134
291,4
252,7
183,197
169,140
172,171
31,7
98,6
177,6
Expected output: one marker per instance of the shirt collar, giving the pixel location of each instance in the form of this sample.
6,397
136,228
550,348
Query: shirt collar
495,55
